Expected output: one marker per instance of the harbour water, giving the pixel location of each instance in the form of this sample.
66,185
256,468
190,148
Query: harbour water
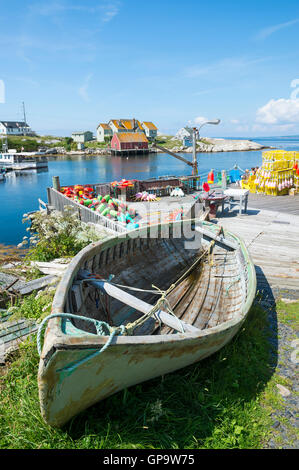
20,191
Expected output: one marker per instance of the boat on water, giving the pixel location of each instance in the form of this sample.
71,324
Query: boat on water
23,160
134,307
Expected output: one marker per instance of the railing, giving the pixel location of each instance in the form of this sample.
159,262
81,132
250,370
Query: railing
59,201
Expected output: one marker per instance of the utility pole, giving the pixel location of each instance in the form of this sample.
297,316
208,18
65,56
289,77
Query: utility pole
194,135
24,113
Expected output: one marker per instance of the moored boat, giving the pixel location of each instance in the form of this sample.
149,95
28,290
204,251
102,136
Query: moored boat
168,305
23,160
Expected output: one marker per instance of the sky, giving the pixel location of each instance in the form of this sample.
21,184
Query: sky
78,63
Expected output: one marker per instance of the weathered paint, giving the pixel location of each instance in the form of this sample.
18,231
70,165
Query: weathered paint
68,386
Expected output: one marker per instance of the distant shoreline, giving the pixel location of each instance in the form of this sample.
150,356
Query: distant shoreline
207,145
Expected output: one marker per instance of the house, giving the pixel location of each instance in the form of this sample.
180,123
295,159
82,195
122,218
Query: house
150,129
15,128
104,131
82,137
187,141
184,132
129,141
125,125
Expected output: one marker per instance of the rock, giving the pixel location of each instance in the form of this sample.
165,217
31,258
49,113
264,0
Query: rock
276,424
207,145
284,392
289,301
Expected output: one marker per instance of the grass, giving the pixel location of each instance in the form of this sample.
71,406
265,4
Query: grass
222,402
166,141
97,145
33,143
288,313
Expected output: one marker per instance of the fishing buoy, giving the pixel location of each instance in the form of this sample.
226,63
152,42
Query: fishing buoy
206,187
211,177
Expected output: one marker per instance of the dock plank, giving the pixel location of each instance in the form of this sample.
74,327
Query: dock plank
272,237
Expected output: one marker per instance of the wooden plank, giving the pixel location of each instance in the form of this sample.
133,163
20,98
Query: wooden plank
220,240
37,284
139,305
273,246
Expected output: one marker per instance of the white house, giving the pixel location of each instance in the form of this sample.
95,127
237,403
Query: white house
15,128
103,130
150,129
125,125
82,137
184,132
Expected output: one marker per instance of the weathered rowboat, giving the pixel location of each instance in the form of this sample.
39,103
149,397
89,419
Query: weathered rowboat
203,298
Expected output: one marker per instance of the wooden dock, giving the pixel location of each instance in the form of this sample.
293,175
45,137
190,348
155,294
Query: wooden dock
270,230
285,204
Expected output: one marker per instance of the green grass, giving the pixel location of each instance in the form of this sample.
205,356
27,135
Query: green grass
31,144
222,402
165,141
97,145
288,313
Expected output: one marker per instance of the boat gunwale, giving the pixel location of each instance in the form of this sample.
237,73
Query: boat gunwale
88,341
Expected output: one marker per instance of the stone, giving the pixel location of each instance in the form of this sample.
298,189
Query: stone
284,392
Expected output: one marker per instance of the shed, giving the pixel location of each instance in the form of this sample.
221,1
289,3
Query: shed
129,141
82,137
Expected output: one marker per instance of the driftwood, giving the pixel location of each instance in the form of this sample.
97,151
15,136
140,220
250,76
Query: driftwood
37,284
12,333
55,267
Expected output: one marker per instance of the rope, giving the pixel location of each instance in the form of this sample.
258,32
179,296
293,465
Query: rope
130,327
234,282
163,301
100,326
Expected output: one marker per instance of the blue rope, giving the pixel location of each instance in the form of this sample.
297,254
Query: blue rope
102,328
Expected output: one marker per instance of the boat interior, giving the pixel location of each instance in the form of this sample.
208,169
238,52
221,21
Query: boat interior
210,285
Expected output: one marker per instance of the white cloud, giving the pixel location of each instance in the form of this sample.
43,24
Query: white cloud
222,66
110,10
266,32
200,120
235,121
106,9
279,112
83,90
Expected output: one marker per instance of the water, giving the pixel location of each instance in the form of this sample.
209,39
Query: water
19,193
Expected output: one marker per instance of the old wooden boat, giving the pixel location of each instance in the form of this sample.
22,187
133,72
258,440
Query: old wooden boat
202,296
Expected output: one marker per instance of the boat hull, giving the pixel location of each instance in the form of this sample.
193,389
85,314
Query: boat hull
73,375
73,389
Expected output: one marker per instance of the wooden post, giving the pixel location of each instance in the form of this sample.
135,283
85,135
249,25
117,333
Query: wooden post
223,183
56,183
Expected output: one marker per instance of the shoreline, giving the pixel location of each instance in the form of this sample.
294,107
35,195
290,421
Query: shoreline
206,146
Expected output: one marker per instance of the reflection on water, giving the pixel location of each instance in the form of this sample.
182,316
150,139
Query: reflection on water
20,190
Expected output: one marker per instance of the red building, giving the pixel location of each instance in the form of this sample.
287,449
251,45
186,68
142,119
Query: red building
129,141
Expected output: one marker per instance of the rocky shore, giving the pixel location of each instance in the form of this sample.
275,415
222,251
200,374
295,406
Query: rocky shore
221,145
207,145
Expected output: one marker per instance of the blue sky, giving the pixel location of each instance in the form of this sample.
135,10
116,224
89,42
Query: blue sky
78,63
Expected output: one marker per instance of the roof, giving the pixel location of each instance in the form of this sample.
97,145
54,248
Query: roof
150,125
117,123
104,126
127,124
14,123
131,137
82,132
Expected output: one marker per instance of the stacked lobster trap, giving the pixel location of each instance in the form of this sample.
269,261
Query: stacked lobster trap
278,174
